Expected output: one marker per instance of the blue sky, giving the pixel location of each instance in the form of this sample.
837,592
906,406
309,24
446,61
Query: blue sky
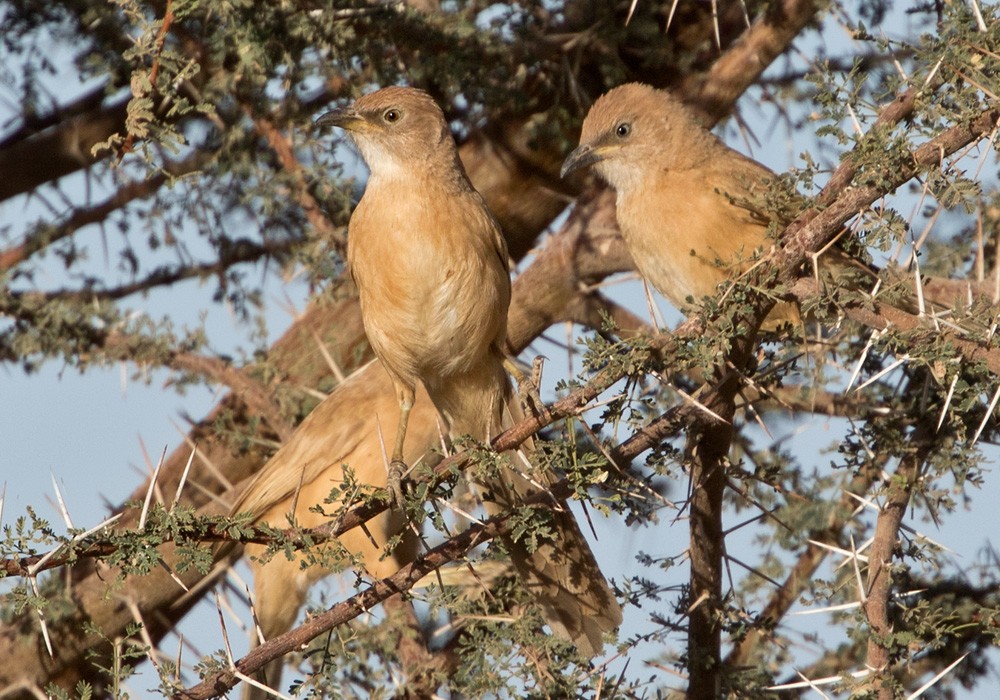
93,433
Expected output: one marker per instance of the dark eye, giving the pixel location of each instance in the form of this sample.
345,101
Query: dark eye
391,115
623,130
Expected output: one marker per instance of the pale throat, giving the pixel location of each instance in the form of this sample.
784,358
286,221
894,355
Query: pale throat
623,176
385,168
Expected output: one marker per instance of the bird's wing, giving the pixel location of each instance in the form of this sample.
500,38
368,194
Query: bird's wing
328,434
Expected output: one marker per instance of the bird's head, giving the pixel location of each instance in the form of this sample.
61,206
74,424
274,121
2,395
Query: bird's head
395,128
630,131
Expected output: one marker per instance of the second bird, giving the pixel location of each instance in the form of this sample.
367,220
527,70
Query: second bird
431,268
681,193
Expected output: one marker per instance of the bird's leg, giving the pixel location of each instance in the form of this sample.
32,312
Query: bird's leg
397,465
527,385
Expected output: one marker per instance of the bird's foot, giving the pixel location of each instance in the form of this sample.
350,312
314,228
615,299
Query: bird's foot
397,468
527,389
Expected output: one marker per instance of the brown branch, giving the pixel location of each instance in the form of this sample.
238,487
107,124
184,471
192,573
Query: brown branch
816,227
423,667
283,149
876,604
404,579
881,317
234,253
879,584
58,151
707,455
714,93
32,124
154,72
130,192
889,115
588,248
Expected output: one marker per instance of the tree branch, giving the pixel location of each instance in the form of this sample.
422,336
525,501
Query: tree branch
358,604
714,93
84,216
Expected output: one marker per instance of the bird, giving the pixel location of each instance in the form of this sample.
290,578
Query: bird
429,261
683,197
431,267
337,436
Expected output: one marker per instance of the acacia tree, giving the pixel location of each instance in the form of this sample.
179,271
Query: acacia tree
190,133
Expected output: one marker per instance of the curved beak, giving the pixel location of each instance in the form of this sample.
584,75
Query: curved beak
583,156
344,117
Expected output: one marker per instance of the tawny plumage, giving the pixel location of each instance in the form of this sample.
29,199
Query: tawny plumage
340,432
429,261
681,193
431,268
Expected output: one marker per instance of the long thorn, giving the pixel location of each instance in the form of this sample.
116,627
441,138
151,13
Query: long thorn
947,402
149,491
986,417
62,504
184,476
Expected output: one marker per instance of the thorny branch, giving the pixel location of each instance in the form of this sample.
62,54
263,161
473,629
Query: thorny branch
290,164
648,437
797,249
451,550
84,216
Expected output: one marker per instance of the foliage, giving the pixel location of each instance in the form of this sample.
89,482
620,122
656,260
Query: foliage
191,156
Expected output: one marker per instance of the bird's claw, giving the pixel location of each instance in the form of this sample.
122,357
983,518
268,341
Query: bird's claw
531,399
397,468
527,386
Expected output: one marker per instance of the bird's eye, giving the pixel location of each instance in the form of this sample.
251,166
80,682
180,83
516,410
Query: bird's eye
623,130
391,115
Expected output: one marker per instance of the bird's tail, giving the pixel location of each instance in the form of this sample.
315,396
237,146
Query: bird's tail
560,571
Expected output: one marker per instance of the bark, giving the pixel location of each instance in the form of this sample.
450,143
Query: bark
708,453
523,189
53,153
879,585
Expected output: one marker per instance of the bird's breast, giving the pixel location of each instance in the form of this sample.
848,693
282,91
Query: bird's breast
685,236
434,293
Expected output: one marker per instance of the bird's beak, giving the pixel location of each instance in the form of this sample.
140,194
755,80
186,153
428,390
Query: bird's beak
584,155
344,117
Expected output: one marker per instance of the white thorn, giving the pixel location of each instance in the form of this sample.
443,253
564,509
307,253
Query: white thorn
861,360
62,504
631,10
947,402
41,618
828,680
981,26
920,691
149,491
881,373
184,476
862,596
986,418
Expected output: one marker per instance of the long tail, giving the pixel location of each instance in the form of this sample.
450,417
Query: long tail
561,573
